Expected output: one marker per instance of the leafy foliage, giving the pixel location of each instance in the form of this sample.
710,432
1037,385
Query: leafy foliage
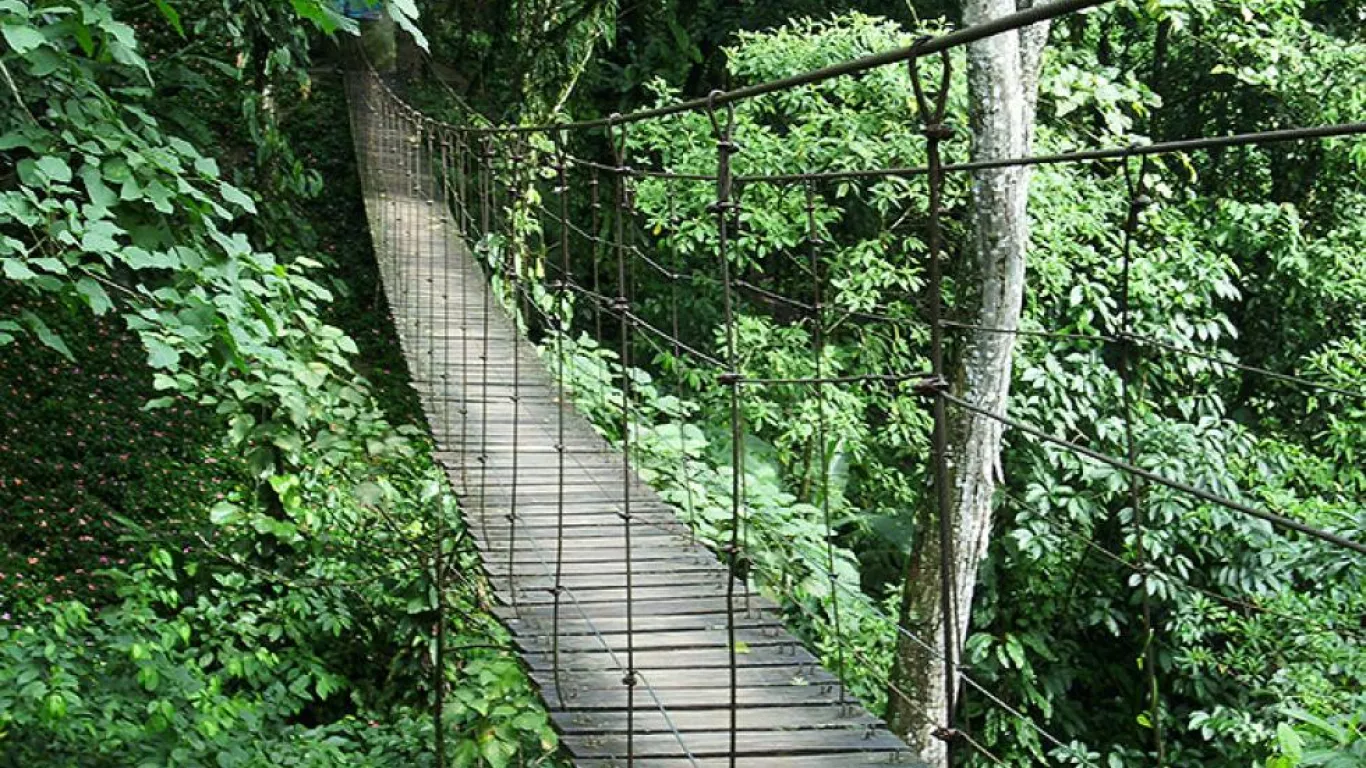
280,610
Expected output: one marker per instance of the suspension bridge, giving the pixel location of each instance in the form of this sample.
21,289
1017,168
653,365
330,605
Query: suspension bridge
625,620
649,647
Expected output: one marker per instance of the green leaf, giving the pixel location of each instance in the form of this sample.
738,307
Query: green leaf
99,237
206,166
55,168
23,38
45,335
237,197
404,13
54,706
149,677
55,266
17,270
1291,745
94,295
140,258
369,493
100,193
497,752
159,195
224,513
289,442
171,16
160,354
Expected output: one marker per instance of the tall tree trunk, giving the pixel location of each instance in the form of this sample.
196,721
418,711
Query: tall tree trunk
1003,73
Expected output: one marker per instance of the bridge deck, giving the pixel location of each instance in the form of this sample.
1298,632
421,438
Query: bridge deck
468,361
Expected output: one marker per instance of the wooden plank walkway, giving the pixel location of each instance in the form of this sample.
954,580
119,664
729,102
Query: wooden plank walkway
493,409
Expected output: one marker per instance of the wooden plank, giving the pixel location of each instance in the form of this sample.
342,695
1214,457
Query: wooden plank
653,607
644,558
673,699
537,557
590,683
749,719
582,582
659,641
538,622
532,594
704,660
717,742
584,522
642,537
835,760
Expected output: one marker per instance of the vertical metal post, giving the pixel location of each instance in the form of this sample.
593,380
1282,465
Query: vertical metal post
936,131
514,258
485,214
1137,200
560,318
725,147
446,233
464,266
622,305
595,212
427,181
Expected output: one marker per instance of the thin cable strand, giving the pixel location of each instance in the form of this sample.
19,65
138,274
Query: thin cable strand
1274,519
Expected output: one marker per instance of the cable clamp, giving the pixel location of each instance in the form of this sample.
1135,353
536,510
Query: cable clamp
620,304
729,146
945,734
729,378
932,385
629,679
939,131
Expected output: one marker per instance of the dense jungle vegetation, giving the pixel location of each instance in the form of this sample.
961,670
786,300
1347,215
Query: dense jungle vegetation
221,525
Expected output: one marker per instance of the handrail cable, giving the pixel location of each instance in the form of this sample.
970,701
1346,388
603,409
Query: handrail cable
924,47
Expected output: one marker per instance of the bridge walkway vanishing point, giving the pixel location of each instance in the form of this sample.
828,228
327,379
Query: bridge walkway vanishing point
493,408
